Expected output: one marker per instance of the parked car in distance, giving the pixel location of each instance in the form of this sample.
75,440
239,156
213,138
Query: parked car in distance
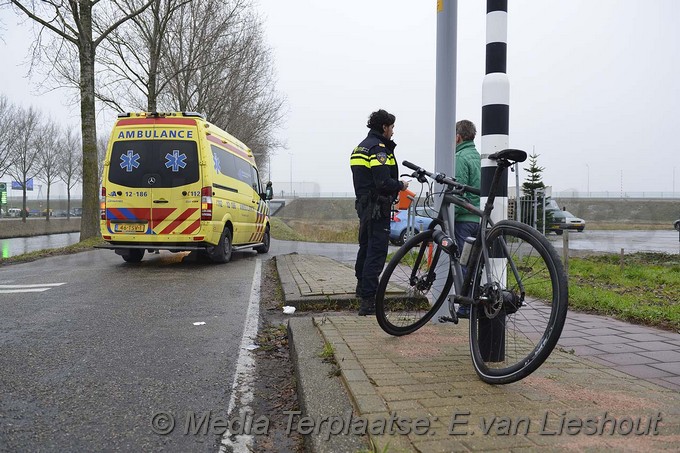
676,225
558,221
399,231
14,212
77,212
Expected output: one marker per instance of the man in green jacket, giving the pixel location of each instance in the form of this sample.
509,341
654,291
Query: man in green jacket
468,172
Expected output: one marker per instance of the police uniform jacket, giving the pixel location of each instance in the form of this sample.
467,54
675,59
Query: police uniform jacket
374,168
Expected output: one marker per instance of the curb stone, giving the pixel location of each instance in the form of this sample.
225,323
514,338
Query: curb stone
320,393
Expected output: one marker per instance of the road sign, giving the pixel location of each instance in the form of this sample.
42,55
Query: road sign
16,185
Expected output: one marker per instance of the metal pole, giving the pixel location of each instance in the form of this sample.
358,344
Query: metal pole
445,104
518,209
565,251
291,173
543,209
535,203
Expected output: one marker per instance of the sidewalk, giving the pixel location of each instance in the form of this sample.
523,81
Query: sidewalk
605,376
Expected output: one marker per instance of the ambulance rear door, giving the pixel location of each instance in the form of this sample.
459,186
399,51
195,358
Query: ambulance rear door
154,183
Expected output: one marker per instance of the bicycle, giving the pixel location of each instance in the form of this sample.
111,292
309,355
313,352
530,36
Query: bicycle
515,284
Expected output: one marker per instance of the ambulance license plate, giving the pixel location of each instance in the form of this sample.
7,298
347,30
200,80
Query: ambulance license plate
130,227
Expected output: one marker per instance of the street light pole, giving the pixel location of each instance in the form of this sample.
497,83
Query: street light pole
291,174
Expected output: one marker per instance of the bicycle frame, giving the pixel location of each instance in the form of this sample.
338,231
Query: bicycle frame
462,287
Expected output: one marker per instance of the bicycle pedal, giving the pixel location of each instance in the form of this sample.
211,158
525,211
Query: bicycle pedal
448,319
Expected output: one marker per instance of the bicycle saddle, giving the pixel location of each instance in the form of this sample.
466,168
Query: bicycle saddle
515,155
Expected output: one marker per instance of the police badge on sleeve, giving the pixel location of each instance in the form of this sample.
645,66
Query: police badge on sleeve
382,157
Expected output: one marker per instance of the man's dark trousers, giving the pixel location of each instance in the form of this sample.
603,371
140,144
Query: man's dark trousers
373,244
461,230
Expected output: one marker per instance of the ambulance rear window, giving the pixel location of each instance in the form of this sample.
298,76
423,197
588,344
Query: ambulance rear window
154,163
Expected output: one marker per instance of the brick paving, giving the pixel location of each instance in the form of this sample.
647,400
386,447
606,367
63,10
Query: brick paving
605,375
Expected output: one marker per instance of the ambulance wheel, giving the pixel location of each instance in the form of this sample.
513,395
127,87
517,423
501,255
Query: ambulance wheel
221,253
133,255
266,240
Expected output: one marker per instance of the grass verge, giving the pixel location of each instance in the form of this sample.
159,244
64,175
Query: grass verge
335,231
83,246
645,289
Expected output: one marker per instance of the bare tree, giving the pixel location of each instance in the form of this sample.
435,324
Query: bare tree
132,56
48,159
25,151
172,58
102,143
231,76
74,24
70,165
6,133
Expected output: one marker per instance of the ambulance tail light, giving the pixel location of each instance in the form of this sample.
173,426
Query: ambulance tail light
102,204
206,203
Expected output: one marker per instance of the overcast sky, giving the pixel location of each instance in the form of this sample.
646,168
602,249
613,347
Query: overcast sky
594,85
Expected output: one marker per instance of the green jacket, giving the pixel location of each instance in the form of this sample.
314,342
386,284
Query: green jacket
468,172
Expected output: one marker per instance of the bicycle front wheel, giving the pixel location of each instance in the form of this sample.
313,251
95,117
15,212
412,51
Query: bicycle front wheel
521,303
413,286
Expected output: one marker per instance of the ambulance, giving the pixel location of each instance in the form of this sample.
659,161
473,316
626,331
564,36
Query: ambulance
174,181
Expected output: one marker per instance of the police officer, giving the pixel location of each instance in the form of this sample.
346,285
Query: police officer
376,185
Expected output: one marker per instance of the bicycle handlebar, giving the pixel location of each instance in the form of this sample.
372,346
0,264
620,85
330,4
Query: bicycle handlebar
441,178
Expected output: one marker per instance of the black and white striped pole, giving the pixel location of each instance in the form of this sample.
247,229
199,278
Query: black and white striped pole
495,130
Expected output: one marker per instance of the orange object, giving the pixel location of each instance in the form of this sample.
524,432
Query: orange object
404,200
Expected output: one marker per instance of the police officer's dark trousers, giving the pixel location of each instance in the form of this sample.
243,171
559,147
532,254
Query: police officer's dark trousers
373,243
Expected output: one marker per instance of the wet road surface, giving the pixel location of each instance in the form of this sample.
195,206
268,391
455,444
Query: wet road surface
598,240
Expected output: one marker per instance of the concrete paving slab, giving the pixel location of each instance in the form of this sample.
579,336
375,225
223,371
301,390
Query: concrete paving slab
551,402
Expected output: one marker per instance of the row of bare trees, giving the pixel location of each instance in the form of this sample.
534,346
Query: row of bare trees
207,56
35,147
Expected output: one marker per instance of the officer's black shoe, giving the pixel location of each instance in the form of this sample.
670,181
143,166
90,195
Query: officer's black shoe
367,311
367,307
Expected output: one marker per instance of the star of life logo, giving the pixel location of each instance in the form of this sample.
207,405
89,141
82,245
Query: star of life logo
129,160
175,161
218,164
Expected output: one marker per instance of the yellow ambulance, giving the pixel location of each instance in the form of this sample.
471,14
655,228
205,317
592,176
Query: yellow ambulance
173,181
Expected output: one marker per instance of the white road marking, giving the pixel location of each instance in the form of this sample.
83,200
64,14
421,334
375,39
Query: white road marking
245,370
27,290
36,285
30,288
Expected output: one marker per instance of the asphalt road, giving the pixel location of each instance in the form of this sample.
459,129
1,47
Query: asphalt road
97,347
84,365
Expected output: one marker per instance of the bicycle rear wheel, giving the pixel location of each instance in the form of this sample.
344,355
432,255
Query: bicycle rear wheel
413,286
522,306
